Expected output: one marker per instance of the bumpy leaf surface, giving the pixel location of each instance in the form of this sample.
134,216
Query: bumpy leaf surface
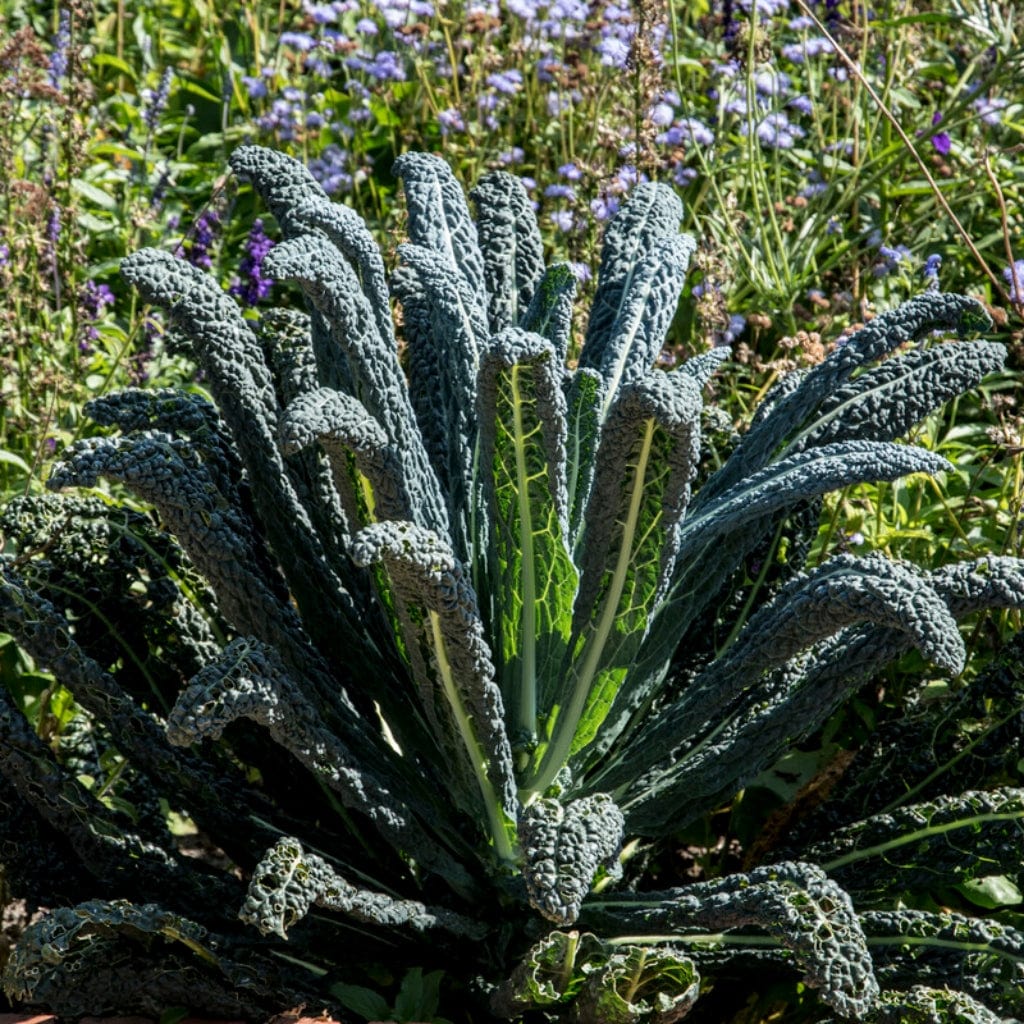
563,846
513,252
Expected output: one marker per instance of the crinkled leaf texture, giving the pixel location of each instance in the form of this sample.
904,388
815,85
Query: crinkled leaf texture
447,614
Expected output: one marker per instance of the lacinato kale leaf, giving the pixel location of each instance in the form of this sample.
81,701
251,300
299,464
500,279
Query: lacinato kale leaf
453,616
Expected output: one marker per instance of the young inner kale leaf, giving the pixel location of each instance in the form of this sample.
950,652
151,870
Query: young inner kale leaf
445,608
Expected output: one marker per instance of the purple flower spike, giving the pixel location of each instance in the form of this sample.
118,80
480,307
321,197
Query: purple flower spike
156,100
252,286
197,249
61,43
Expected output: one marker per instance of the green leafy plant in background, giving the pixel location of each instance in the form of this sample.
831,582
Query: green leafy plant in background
493,610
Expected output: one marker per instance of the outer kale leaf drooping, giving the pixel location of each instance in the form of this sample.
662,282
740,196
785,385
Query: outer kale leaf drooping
795,903
288,881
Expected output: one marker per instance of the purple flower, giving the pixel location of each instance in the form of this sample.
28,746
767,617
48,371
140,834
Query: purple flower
775,131
562,219
1015,280
772,83
559,103
196,249
735,105
322,14
255,86
397,12
61,42
93,299
897,255
283,119
891,259
940,140
614,52
301,41
512,156
989,110
691,130
547,67
604,207
626,177
331,169
931,269
5,254
450,121
251,286
806,49
737,324
156,100
526,10
802,104
581,271
662,115
367,27
684,176
385,66
764,8
506,82
316,66
570,171
560,192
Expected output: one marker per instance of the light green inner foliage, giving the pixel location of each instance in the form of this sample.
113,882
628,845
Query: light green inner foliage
484,604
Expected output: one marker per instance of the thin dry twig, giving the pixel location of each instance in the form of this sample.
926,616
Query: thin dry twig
1017,296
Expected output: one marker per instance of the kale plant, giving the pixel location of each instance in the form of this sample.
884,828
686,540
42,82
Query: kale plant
425,626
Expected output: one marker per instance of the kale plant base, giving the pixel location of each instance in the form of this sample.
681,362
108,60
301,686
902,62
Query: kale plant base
419,643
